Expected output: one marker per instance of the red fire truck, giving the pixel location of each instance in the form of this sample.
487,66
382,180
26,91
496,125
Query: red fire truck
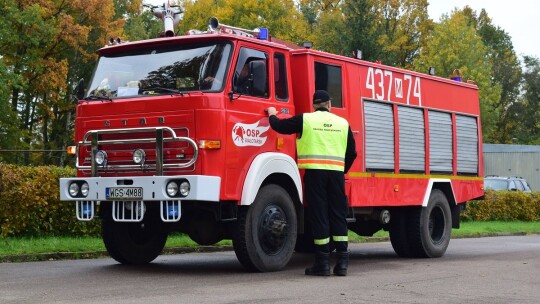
172,136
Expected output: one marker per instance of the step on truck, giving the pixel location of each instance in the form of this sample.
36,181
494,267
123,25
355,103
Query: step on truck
172,136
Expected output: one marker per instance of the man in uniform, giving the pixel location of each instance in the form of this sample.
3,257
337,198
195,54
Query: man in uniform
326,150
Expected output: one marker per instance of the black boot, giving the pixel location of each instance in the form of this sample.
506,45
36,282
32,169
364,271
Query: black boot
341,264
321,266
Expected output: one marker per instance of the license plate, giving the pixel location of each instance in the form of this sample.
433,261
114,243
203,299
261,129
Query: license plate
124,193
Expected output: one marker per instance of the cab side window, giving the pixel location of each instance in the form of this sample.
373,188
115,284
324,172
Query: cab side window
328,78
251,73
280,77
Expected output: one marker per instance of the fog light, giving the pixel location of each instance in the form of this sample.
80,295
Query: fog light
172,189
184,188
85,188
73,189
101,158
139,156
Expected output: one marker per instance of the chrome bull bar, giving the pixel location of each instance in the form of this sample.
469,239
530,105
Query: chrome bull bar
162,135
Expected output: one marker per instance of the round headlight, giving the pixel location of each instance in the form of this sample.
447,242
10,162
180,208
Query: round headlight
101,158
73,189
139,156
184,188
85,188
172,188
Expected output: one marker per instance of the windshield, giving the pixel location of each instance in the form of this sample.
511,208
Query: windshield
161,70
495,184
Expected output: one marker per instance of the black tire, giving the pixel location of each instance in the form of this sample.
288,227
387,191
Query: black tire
133,243
430,228
398,233
265,235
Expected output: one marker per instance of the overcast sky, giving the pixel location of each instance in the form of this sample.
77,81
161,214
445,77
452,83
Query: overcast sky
519,18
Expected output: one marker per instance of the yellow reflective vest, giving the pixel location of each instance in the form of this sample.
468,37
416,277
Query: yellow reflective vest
324,141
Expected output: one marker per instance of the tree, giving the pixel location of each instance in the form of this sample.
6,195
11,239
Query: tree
142,26
9,128
402,27
506,73
361,34
455,44
329,30
528,130
50,44
279,16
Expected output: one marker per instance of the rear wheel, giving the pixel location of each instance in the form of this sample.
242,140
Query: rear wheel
266,231
133,243
398,233
431,227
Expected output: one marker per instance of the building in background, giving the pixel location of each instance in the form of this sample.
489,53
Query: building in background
513,160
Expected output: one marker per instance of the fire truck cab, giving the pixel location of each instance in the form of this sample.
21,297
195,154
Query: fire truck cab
172,136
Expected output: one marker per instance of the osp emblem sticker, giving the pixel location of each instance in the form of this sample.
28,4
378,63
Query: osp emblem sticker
249,134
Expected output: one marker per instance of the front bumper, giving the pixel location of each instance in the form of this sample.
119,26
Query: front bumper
202,188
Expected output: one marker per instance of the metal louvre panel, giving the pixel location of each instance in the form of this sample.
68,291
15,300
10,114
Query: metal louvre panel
412,152
440,142
467,144
379,119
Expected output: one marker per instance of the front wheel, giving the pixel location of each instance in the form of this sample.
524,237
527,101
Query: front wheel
266,231
133,243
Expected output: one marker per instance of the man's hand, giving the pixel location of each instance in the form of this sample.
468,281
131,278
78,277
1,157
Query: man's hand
271,111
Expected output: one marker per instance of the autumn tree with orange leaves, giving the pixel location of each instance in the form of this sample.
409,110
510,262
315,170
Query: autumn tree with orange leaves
47,45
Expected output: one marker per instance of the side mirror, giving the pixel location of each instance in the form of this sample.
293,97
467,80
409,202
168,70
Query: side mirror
258,70
80,89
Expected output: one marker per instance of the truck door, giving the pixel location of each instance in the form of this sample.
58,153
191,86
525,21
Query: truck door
247,128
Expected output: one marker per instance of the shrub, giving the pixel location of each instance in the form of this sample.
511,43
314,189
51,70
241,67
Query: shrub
30,203
504,206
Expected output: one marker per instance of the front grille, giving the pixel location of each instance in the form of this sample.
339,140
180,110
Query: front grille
165,150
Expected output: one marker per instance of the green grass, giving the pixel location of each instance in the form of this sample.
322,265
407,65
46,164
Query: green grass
32,246
35,245
471,229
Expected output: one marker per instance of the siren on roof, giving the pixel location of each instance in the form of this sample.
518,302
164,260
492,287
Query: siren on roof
215,27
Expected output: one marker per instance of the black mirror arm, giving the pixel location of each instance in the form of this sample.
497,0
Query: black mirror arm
231,95
80,89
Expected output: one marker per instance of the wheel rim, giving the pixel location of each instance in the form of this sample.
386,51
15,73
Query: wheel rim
437,225
273,229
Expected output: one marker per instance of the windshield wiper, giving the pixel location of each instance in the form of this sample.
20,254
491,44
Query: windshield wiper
98,97
151,91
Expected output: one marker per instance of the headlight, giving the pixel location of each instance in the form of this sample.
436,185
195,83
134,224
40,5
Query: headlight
172,188
139,156
184,188
85,188
101,158
73,189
